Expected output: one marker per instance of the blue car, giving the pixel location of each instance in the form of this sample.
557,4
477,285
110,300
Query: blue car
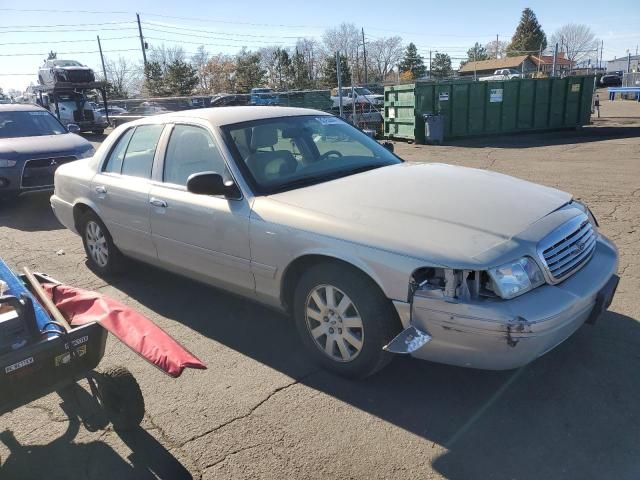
33,143
264,96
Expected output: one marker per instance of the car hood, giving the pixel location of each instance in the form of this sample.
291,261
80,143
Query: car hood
449,215
42,146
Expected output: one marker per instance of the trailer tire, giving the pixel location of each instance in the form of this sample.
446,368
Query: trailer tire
121,398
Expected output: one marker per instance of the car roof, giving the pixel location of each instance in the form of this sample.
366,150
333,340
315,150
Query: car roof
21,107
220,116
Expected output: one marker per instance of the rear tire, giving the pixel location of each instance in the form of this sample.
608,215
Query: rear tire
103,256
121,398
99,131
344,320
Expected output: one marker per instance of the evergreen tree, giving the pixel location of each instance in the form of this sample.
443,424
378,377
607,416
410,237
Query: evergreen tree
180,78
476,53
528,37
249,73
330,72
283,68
412,62
301,72
441,67
154,79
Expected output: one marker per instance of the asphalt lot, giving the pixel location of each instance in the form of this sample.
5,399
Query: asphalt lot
262,411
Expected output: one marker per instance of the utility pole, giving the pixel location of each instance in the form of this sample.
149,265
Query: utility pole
601,49
497,45
555,55
357,64
628,62
429,64
144,53
364,58
104,70
539,57
475,64
339,73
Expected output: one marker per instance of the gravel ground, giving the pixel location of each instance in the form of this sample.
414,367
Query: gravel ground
262,411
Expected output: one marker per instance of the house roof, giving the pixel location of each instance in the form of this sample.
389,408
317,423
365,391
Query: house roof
548,59
494,64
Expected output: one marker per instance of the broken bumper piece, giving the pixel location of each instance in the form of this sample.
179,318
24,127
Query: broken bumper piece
498,334
408,341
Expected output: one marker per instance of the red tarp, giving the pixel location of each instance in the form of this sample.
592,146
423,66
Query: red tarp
133,329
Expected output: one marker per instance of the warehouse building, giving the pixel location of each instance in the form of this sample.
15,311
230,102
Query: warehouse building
624,64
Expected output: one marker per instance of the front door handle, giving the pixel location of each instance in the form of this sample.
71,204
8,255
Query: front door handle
156,202
101,189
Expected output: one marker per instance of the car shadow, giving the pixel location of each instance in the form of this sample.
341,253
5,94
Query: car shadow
29,213
592,133
65,458
571,414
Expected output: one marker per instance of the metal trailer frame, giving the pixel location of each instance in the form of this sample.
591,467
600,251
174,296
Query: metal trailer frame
78,88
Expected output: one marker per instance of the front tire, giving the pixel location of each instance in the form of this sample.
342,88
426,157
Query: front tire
344,320
103,256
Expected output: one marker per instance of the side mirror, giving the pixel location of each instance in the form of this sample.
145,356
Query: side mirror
211,183
388,146
73,128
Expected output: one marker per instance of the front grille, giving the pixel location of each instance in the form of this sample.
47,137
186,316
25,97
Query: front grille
39,173
80,76
86,115
568,248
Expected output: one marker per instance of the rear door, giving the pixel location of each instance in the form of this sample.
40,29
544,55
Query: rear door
200,235
121,190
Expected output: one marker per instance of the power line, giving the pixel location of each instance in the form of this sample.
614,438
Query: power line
210,20
48,10
68,31
208,37
162,25
65,41
65,53
199,43
64,25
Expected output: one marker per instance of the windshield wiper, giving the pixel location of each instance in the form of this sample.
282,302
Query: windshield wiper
307,181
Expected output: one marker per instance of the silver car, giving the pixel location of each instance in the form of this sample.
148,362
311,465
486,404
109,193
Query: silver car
53,72
371,255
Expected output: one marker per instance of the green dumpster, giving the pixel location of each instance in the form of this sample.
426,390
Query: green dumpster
488,107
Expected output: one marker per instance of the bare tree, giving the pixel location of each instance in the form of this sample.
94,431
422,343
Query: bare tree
496,49
220,74
200,60
166,55
345,39
576,41
383,54
124,77
313,55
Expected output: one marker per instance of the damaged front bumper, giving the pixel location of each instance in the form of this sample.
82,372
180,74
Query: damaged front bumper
497,334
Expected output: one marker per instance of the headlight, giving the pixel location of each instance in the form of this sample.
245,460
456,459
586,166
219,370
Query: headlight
515,278
7,163
587,210
87,153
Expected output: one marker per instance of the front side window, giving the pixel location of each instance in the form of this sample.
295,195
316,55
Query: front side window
191,150
290,152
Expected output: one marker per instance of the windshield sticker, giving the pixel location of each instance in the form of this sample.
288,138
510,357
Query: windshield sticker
328,120
38,113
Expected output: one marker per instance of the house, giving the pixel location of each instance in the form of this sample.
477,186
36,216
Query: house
483,68
544,63
628,63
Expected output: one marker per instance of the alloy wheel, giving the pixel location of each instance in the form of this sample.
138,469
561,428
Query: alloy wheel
97,244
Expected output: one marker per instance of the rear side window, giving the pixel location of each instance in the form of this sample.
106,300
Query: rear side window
114,164
138,158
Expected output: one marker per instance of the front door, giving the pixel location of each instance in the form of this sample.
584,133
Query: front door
121,190
203,236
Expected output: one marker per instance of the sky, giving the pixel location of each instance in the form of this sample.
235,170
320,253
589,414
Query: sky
26,35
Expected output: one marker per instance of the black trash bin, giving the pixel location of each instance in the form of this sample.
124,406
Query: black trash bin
433,128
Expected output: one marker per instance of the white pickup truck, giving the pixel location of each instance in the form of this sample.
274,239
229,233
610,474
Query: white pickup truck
363,96
503,74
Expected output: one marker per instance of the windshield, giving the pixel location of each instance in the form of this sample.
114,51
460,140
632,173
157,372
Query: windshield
67,63
279,154
29,124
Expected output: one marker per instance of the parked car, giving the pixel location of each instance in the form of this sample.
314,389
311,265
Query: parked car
362,96
33,143
113,111
56,71
148,108
611,80
264,96
226,100
503,74
371,255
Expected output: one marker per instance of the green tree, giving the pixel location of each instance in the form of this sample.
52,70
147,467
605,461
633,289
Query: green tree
301,72
476,53
330,72
412,62
441,67
529,36
180,78
283,68
249,73
154,79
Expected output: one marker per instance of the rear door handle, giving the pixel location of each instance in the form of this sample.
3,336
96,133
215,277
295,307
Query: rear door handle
156,202
101,189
